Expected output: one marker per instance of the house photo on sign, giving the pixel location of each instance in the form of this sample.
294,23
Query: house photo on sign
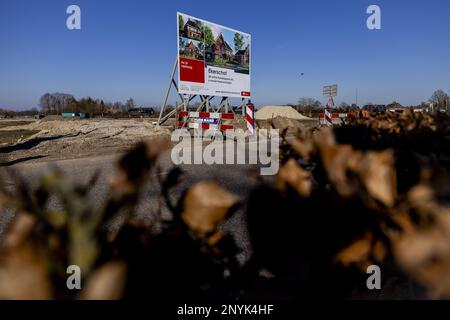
213,60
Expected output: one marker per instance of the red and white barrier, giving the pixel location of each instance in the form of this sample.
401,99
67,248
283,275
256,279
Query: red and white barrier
335,115
328,117
204,120
250,116
183,119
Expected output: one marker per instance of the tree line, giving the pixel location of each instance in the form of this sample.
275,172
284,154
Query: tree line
439,99
56,103
4,113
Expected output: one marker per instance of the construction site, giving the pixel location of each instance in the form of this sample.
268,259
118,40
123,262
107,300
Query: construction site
56,138
369,167
170,201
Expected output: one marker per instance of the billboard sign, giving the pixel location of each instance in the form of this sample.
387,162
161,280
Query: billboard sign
330,91
213,60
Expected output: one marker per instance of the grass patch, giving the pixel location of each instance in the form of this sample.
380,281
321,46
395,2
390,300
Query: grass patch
7,123
13,136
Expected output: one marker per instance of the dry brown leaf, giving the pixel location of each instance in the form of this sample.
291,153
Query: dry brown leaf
303,148
24,274
215,238
291,174
379,251
379,177
375,169
412,249
435,277
422,249
206,205
421,198
358,252
403,219
106,283
324,137
336,161
134,165
156,146
337,167
19,230
425,255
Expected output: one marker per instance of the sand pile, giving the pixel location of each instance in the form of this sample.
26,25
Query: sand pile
269,112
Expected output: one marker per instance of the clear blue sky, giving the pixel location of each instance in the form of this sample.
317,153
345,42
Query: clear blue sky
127,48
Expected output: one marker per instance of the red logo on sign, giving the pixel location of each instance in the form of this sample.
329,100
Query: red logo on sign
245,93
192,70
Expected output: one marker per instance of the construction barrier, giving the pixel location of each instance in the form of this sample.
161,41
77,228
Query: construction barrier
335,115
250,116
328,117
183,119
204,120
328,120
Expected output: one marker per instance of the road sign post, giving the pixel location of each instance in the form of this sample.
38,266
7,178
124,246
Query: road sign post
329,91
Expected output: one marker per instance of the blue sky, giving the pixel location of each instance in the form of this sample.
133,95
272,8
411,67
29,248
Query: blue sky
127,49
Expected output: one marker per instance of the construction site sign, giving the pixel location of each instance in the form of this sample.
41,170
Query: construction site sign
330,91
213,60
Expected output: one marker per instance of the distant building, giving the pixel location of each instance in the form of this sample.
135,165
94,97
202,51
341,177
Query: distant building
375,108
81,115
395,110
69,114
141,112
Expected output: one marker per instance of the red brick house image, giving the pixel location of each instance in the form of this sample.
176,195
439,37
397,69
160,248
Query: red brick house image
191,50
242,56
221,48
191,30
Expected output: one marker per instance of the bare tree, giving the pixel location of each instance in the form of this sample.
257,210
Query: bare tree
45,102
439,99
308,105
55,102
118,106
130,104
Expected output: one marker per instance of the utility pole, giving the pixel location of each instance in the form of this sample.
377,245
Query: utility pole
356,96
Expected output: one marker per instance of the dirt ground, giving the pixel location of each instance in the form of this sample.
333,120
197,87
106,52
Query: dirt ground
44,140
55,138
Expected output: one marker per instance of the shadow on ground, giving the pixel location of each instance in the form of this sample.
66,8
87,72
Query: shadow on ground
28,144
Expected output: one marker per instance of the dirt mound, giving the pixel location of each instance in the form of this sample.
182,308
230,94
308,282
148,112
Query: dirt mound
269,112
52,118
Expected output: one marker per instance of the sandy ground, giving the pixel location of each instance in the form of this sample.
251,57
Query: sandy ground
67,139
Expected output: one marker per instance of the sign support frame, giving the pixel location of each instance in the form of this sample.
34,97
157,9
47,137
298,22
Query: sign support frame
329,91
205,101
